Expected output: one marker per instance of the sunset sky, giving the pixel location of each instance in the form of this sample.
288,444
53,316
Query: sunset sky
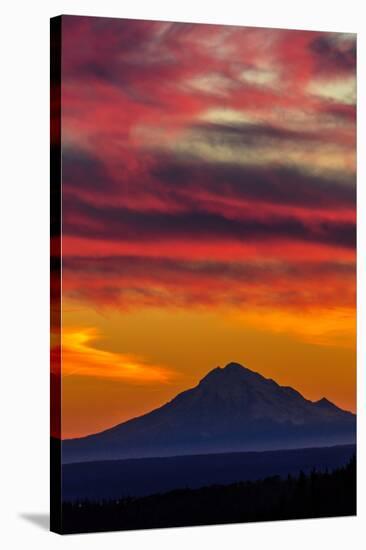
208,194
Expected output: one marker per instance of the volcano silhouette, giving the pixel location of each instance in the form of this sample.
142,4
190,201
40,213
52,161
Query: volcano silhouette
231,409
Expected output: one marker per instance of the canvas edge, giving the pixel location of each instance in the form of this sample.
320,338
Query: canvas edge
55,275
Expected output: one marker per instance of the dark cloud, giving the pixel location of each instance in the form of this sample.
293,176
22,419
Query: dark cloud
125,225
251,134
83,171
341,111
268,184
185,181
334,54
166,269
119,50
127,281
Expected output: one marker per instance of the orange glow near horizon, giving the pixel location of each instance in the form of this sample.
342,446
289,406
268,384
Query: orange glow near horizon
187,344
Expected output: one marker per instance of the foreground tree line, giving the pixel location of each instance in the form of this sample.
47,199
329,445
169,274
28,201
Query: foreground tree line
318,494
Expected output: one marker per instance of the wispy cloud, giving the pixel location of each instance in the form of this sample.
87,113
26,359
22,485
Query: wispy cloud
82,357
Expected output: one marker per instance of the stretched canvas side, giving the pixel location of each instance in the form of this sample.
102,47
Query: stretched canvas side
55,275
203,274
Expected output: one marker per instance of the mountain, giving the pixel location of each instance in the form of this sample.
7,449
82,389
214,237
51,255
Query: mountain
231,409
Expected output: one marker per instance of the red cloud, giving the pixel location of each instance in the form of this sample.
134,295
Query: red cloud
201,142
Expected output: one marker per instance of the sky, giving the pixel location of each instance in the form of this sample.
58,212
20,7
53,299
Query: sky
208,195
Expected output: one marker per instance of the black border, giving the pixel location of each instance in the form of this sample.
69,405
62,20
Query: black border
55,274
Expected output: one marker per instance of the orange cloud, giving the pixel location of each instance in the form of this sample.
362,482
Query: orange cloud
317,326
80,356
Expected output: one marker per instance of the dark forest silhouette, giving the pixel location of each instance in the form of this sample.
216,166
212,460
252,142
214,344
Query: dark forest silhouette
318,494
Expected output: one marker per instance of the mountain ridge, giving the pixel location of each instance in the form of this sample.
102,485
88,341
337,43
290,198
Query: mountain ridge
231,409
